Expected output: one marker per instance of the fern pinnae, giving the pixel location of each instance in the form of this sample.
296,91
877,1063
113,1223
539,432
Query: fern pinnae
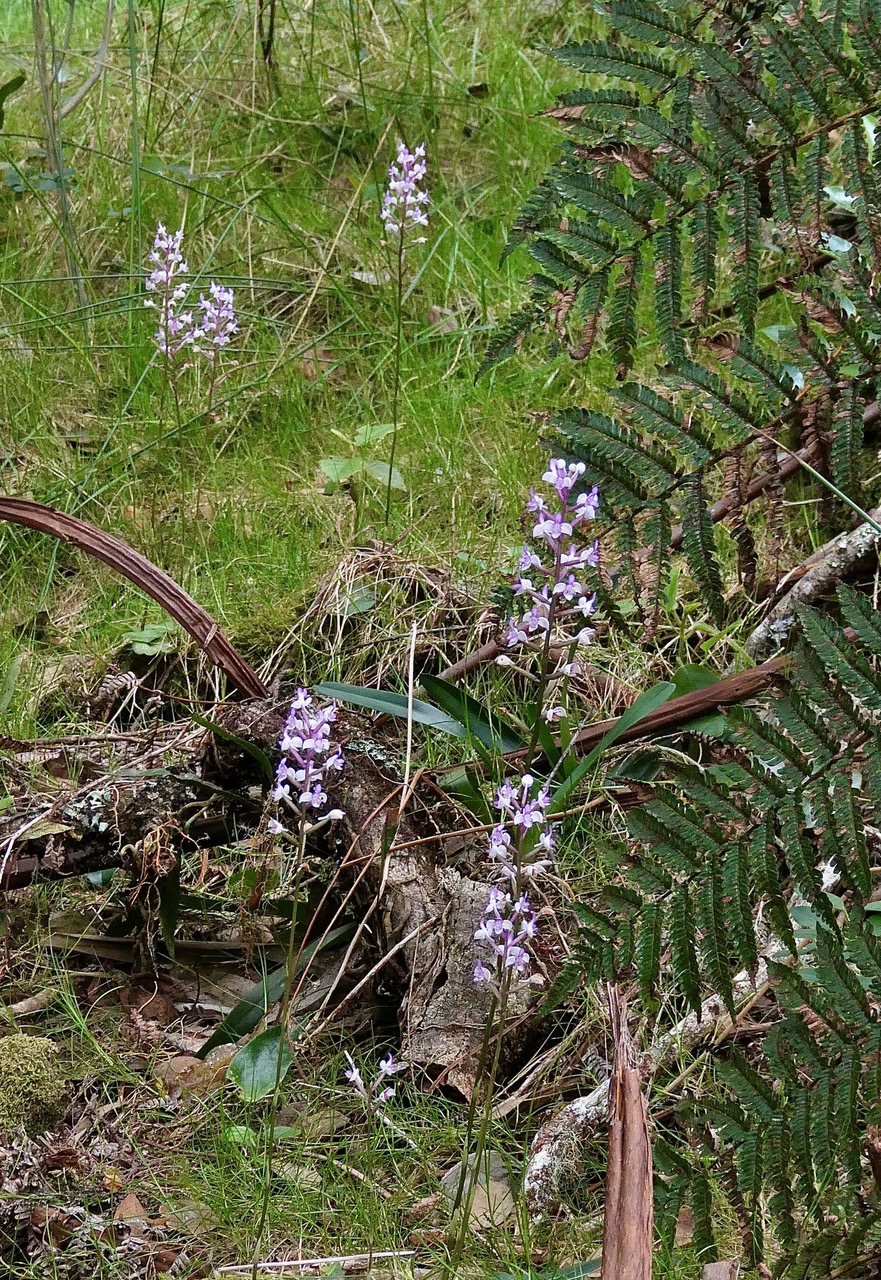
802,859
847,442
620,213
554,252
750,1088
863,178
534,212
778,755
821,47
732,133
711,915
852,858
683,951
650,23
597,57
509,336
747,254
699,547
719,399
841,983
655,129
861,616
636,470
767,375
677,823
795,71
648,950
705,247
661,417
621,333
843,666
668,289
805,729
736,886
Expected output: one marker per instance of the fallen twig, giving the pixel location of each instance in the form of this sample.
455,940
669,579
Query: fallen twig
146,576
348,1262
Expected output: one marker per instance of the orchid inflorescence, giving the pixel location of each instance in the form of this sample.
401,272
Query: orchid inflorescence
379,1092
307,753
167,287
559,601
509,922
404,204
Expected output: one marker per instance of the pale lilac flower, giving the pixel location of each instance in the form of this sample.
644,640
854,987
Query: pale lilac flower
508,920
551,585
552,714
405,202
307,753
377,1093
218,324
167,289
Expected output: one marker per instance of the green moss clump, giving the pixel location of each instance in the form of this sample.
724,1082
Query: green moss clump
34,1092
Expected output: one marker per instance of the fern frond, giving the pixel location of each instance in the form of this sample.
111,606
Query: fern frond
714,943
648,949
736,885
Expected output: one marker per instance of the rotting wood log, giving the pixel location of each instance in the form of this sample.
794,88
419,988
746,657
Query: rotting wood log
146,576
259,722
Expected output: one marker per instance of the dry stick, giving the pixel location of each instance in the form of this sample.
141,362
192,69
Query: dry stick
97,71
146,576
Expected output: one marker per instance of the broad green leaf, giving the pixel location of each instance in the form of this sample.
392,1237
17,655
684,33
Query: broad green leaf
692,676
371,433
480,724
157,637
644,705
339,470
260,1063
254,1006
391,704
381,472
242,1135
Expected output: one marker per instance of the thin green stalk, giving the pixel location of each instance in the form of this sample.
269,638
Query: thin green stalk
135,228
290,967
399,309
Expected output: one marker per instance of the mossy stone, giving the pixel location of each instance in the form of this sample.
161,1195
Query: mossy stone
34,1091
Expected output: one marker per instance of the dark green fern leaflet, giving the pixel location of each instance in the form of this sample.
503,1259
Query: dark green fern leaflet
717,210
766,867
